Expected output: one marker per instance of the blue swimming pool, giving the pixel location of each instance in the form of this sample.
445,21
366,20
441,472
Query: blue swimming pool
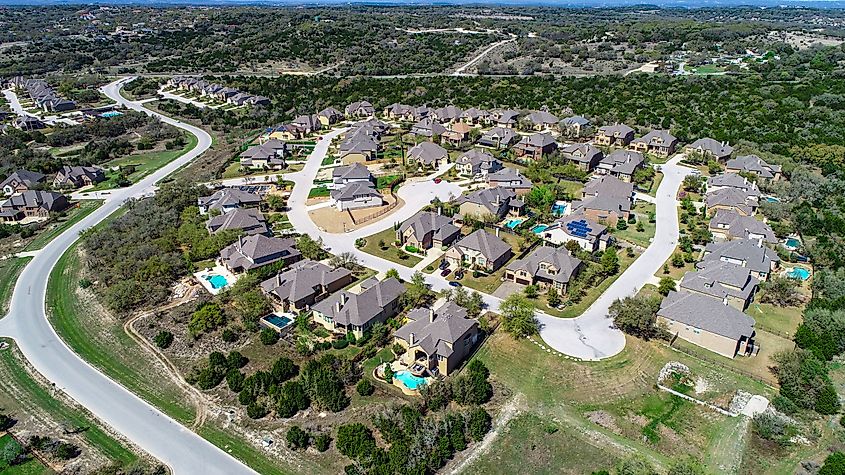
792,243
772,199
111,114
799,273
409,380
513,223
278,321
559,208
539,228
217,281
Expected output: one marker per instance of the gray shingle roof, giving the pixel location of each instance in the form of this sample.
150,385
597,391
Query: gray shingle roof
356,171
581,152
303,280
657,138
708,314
575,120
257,250
755,256
623,162
712,146
228,197
490,246
428,153
720,279
564,264
360,309
542,118
499,134
432,329
616,130
425,222
732,197
736,225
491,198
46,200
355,189
509,178
733,180
250,220
26,177
754,164
609,186
537,140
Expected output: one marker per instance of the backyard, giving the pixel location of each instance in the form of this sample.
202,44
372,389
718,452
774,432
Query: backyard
642,210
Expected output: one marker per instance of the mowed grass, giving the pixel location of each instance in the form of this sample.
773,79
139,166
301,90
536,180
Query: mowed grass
779,320
10,269
389,252
145,163
630,234
21,395
30,467
73,216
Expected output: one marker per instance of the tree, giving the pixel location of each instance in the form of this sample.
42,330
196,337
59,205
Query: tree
418,291
553,297
392,273
677,260
822,332
355,440
283,369
208,316
310,248
365,387
834,464
518,314
803,378
780,291
268,336
163,339
347,260
636,315
322,442
479,423
667,284
610,261
530,291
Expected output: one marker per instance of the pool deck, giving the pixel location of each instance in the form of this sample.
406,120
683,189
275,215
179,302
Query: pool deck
219,270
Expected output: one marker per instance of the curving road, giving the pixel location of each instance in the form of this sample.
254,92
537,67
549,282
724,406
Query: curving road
589,336
147,427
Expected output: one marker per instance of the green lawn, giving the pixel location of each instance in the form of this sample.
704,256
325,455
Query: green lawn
21,396
385,181
233,170
319,192
30,467
145,163
488,283
779,320
655,183
591,295
630,234
389,252
72,217
10,269
329,160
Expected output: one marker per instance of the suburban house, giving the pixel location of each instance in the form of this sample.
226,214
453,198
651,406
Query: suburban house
755,165
22,180
310,123
267,156
448,114
286,132
426,229
356,195
541,120
304,283
490,201
428,127
358,146
732,199
397,111
475,162
330,116
574,127
249,221
437,340
708,323
728,225
498,137
732,180
347,312
360,109
619,135
357,172
372,126
622,164
656,142
724,281
228,199
511,179
533,147
583,155
475,116
606,200
505,118
78,176
32,204
759,259
28,123
428,155
255,251
43,95
457,133
710,148
589,235
480,251
546,267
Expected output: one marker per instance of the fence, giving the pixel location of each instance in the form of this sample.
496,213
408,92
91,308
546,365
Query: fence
712,361
385,210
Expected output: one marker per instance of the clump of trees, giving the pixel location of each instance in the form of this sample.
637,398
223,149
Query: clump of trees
805,381
637,315
518,316
218,367
471,387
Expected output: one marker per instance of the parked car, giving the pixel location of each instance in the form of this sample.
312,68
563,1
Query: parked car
455,284
446,272
443,265
438,180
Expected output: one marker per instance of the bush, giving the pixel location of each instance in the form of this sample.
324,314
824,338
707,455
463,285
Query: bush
340,344
163,339
322,442
834,464
770,427
236,360
84,283
355,440
229,336
269,336
297,438
255,410
479,424
365,387
784,405
6,421
283,369
235,380
66,451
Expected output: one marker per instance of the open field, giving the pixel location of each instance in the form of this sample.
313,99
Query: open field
145,163
52,230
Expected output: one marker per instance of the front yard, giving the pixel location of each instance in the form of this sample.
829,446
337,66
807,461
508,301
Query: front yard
387,250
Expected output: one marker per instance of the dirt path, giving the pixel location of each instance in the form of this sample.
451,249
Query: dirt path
508,412
193,393
725,452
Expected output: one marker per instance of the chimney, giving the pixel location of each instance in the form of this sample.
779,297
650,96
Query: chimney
343,298
439,210
411,339
430,315
279,279
337,306
497,231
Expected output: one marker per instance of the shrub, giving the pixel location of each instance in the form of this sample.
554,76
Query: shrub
235,380
163,339
283,369
297,438
84,283
66,451
355,440
479,423
365,387
340,344
229,336
784,405
6,421
269,336
255,410
834,464
236,360
322,442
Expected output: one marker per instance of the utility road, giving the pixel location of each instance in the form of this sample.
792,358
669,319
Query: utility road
165,439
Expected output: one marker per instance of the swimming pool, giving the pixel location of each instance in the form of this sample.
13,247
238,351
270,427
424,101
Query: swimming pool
278,321
539,228
409,380
799,273
772,199
792,243
559,208
111,114
217,281
513,223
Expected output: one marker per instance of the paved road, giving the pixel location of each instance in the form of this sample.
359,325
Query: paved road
589,336
460,71
165,439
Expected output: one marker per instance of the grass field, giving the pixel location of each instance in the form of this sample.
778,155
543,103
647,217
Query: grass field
319,192
780,320
630,234
145,163
21,395
30,467
73,216
390,253
10,269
